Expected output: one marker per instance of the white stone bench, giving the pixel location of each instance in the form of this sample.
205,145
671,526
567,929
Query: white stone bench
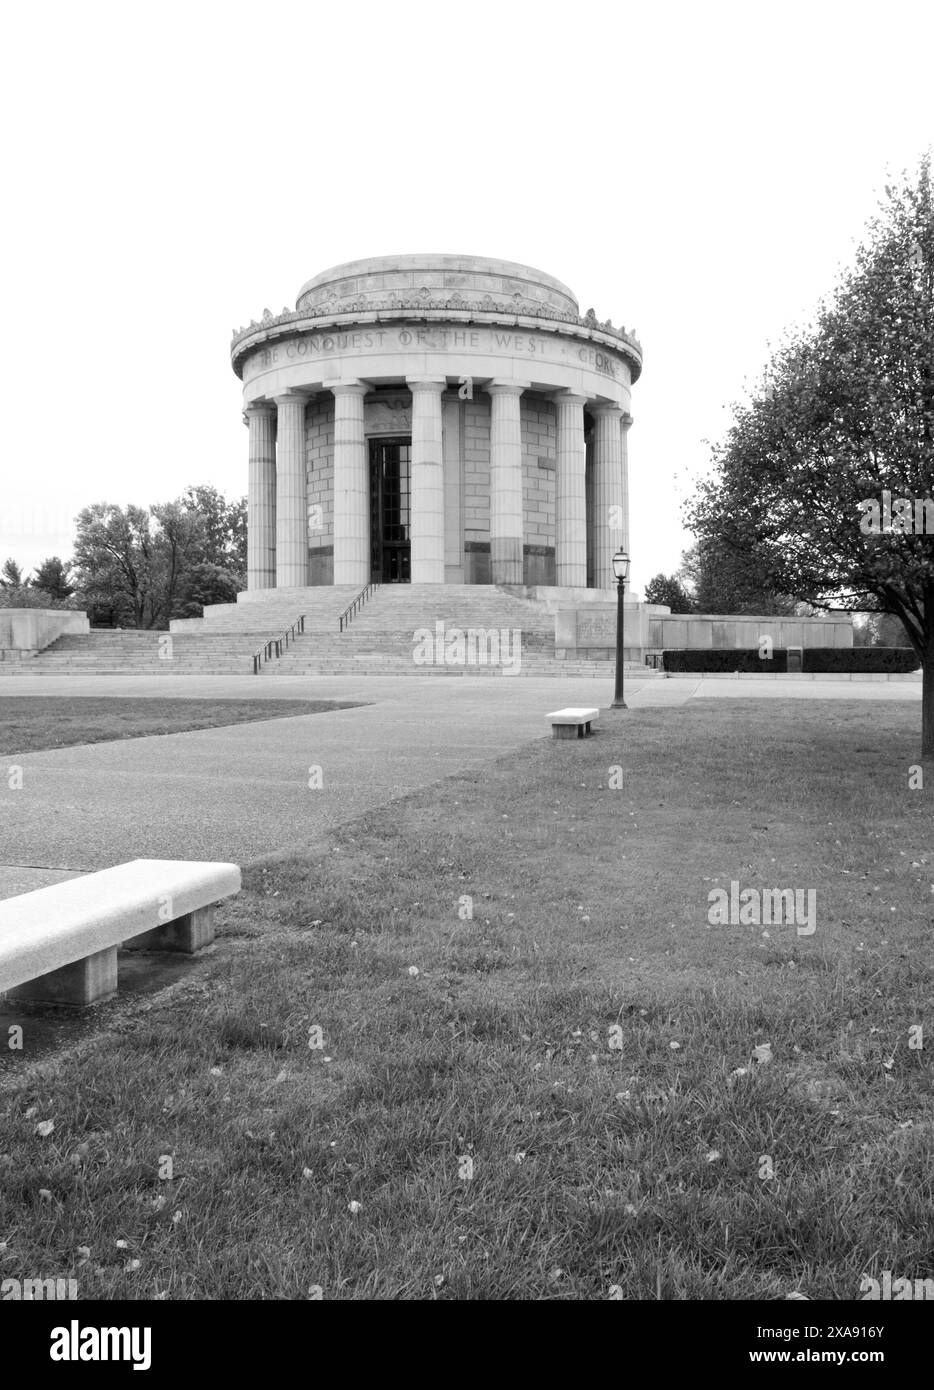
572,723
58,945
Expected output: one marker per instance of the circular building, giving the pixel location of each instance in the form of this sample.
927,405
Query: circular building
436,420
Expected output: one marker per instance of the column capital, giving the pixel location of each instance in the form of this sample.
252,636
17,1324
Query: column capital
626,420
568,397
293,398
258,410
426,383
498,387
607,409
350,387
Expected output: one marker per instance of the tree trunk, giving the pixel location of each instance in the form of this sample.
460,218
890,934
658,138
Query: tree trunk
927,705
927,672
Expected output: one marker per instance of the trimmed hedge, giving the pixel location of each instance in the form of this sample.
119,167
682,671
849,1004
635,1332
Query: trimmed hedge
863,661
725,659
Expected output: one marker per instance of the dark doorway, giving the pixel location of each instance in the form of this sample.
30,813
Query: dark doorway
390,485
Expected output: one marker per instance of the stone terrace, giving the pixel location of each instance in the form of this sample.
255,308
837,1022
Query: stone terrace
379,640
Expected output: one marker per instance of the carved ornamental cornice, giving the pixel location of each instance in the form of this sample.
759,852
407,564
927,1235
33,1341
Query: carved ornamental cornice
333,312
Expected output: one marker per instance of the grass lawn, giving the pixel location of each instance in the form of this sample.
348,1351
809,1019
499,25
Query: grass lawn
30,723
558,1097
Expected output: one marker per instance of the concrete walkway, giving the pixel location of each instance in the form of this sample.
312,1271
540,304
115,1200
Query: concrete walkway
589,690
240,792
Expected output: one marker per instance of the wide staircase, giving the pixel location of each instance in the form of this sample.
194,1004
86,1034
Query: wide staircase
223,642
400,629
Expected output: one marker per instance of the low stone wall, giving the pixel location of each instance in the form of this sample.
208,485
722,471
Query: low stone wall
26,631
699,632
587,629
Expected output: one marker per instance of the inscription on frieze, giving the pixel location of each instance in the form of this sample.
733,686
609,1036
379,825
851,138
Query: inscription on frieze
390,340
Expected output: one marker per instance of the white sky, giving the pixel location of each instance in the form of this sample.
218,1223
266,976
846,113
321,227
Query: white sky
696,172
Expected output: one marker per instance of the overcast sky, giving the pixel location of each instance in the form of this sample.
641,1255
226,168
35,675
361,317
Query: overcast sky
696,172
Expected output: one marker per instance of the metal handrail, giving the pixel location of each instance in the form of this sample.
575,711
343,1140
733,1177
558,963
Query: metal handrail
278,643
359,601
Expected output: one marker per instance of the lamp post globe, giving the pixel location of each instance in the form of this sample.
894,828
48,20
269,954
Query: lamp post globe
621,565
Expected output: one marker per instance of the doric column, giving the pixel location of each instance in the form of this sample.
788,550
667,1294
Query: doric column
570,501
607,491
625,423
351,486
427,481
261,498
291,512
506,533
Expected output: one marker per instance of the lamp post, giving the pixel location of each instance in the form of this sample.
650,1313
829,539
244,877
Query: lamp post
621,570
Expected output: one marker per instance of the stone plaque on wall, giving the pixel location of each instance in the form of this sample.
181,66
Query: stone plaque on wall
596,629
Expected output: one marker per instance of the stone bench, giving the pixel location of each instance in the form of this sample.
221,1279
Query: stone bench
572,723
58,945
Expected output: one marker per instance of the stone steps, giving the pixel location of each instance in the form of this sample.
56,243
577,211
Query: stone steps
390,607
272,612
365,663
221,641
381,639
565,670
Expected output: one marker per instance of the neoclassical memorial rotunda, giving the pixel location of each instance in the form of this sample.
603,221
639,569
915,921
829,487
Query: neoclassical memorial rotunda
437,486
436,420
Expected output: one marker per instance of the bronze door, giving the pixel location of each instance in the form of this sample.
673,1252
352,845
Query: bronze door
390,518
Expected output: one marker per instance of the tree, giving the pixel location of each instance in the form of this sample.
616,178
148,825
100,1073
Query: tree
47,589
879,630
722,581
11,576
144,566
224,528
114,556
669,590
214,569
889,631
202,584
29,597
52,576
842,424
178,545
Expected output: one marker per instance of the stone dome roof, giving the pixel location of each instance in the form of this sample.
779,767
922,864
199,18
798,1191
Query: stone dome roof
470,277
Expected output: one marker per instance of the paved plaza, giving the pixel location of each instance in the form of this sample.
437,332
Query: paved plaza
242,791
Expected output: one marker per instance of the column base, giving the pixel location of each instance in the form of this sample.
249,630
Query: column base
571,576
506,560
292,577
428,572
352,572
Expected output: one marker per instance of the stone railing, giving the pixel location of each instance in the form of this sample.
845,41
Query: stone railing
333,313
